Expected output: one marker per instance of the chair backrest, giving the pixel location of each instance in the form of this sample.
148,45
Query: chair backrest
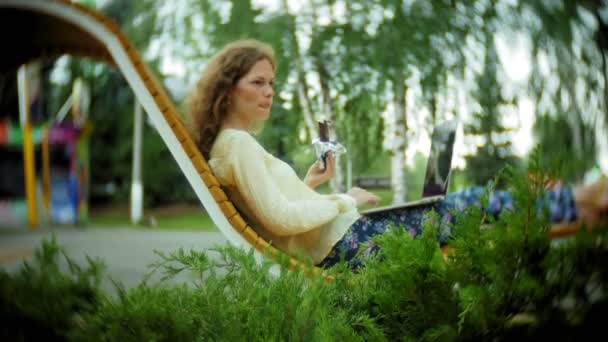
75,29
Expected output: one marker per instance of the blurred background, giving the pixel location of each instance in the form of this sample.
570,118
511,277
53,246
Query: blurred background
517,74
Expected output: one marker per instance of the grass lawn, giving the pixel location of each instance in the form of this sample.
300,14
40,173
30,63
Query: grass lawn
171,217
386,196
175,216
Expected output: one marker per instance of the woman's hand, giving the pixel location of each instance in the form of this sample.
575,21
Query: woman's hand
318,175
363,196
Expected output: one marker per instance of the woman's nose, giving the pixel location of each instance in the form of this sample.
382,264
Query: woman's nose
269,92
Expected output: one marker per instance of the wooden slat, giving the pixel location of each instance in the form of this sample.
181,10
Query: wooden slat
105,21
143,71
172,120
293,263
273,253
263,245
310,272
136,60
209,179
228,209
131,50
564,230
172,110
267,249
200,164
181,132
112,27
238,223
163,106
190,149
251,236
152,85
218,194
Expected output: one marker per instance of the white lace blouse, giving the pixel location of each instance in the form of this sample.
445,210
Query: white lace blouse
275,201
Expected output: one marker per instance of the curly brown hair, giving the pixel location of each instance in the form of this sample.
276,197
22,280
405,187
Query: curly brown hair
207,104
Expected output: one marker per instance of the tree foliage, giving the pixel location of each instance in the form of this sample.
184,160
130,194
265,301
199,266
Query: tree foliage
358,62
496,149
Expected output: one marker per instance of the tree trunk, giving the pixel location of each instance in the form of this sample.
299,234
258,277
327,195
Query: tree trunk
605,74
302,87
306,104
601,39
398,181
574,119
337,181
434,109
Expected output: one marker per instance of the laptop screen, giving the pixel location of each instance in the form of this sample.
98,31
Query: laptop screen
439,164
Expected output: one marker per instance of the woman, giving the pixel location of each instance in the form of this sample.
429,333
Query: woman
232,98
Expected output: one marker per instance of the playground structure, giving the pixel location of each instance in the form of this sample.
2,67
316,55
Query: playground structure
45,158
51,28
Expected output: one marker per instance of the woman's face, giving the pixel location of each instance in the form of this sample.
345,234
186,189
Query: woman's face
251,97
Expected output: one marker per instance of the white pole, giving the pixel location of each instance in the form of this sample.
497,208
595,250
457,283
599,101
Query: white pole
23,95
349,174
63,111
137,191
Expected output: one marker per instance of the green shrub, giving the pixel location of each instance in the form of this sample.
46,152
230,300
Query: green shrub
42,301
507,281
504,283
244,302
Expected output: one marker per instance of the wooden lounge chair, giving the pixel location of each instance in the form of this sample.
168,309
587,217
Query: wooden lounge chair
51,28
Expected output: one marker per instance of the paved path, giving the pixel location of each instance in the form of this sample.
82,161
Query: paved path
127,252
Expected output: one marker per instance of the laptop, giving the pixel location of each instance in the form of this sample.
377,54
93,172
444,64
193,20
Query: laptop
438,169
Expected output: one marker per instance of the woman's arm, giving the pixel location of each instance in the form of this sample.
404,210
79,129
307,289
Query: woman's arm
317,175
363,196
279,214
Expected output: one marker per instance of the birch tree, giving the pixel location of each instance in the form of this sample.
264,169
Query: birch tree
406,42
568,78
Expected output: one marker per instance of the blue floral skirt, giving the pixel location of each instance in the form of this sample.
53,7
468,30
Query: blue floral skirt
559,201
